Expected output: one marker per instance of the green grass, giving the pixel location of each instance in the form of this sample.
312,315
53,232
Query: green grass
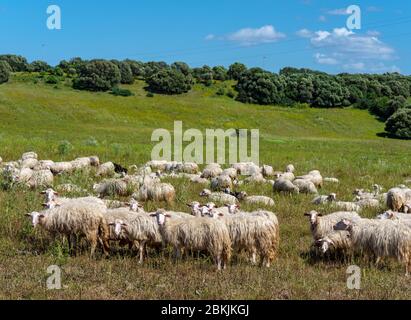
340,142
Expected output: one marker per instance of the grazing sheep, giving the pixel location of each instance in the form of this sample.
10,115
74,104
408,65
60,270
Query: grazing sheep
283,185
284,175
324,199
367,203
331,180
221,182
315,177
290,168
231,172
267,171
219,197
305,186
260,200
157,165
255,178
157,192
106,169
44,165
188,167
346,206
76,218
198,179
40,178
85,162
335,241
121,187
29,155
394,215
321,225
30,163
197,234
70,188
112,216
212,170
246,168
382,238
61,168
397,198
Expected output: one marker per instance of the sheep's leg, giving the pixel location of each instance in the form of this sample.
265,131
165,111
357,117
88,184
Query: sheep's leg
253,256
92,238
177,253
219,262
141,250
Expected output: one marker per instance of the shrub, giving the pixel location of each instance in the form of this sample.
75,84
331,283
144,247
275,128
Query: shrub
181,67
39,66
4,72
52,80
121,92
91,142
235,70
384,108
64,147
137,67
220,92
399,124
231,93
98,75
220,73
17,63
204,75
150,95
169,81
125,72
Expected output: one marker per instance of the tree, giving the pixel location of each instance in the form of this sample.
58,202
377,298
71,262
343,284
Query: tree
4,71
137,67
203,75
169,81
39,66
17,63
235,70
220,73
125,71
261,87
181,67
399,124
98,75
74,66
152,67
386,108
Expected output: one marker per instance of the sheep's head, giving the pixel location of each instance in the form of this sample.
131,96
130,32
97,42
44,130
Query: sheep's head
51,204
119,226
324,244
205,193
134,205
313,217
161,216
232,208
36,218
358,192
242,195
344,224
205,211
214,214
386,215
195,208
50,194
290,168
407,207
332,197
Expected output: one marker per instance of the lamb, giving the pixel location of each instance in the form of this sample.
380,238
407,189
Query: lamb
231,172
221,182
267,171
331,180
383,238
44,165
76,218
283,185
157,192
321,225
324,199
212,170
253,232
40,178
305,186
397,198
290,168
346,206
29,155
197,234
106,169
61,167
260,200
335,241
219,197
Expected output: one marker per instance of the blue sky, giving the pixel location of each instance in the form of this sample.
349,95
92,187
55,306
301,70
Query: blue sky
268,34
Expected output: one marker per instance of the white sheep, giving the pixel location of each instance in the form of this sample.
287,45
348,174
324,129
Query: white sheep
305,186
76,218
212,170
267,171
157,192
231,172
220,182
290,168
255,200
29,155
44,165
346,206
61,167
397,198
324,199
335,241
219,197
315,177
382,238
197,234
106,169
284,185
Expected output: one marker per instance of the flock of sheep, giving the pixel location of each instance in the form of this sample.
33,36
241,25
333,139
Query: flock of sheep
217,231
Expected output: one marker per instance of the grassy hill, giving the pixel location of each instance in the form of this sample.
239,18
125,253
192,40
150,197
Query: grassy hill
339,142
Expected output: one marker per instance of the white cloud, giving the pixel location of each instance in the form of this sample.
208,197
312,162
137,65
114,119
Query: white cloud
358,66
304,33
324,59
322,18
338,12
210,37
250,36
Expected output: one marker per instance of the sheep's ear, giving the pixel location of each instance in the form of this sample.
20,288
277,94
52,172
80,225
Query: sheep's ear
167,215
43,192
127,203
28,214
153,215
307,214
221,215
320,214
41,216
188,205
112,224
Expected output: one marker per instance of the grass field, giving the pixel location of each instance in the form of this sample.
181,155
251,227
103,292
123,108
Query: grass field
342,143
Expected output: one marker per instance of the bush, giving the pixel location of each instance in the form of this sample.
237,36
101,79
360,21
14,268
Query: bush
231,93
64,147
169,81
236,70
220,92
17,63
220,73
150,95
204,75
4,72
182,67
39,66
384,108
137,67
399,124
125,71
98,75
91,142
52,80
121,92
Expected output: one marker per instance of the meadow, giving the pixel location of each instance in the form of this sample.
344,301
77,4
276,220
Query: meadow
343,143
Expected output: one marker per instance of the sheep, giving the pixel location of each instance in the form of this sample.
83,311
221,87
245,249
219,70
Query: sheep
30,163
70,188
112,216
407,207
44,165
394,216
198,179
76,218
246,168
85,162
157,165
188,167
61,167
157,192
290,168
284,175
324,199
383,238
221,182
197,234
367,203
122,187
321,225
219,197
231,172
346,206
331,180
283,185
267,171
260,200
106,169
335,241
314,176
29,155
40,178
256,233
255,178
305,186
397,198
212,170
